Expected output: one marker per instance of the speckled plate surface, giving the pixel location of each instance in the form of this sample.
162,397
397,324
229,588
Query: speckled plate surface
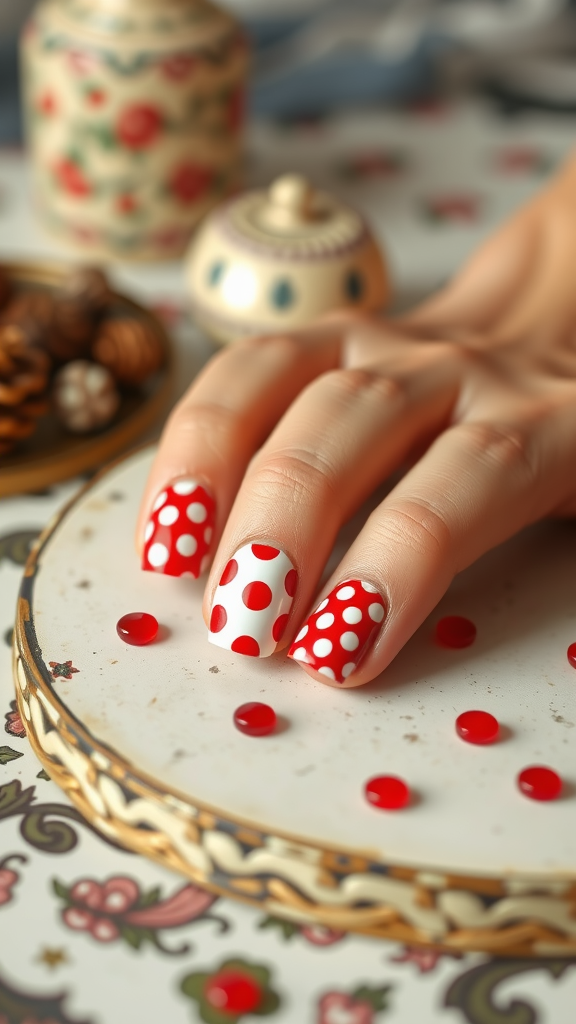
142,740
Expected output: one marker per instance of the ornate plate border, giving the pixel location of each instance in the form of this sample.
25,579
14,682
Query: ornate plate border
285,876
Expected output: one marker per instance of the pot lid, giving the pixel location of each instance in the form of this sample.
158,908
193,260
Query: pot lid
291,219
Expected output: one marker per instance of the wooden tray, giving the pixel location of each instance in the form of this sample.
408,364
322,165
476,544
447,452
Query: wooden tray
142,740
52,454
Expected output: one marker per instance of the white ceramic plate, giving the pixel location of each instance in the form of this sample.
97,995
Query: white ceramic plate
143,740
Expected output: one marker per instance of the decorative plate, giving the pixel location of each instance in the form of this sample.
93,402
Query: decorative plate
143,742
52,454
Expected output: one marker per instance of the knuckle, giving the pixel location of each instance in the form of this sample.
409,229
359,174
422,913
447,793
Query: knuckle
418,526
505,447
300,477
359,383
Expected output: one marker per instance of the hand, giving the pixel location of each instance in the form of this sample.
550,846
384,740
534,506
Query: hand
289,435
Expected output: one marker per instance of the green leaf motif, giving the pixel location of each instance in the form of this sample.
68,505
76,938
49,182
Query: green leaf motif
377,998
286,928
61,891
134,936
14,799
15,547
473,993
43,774
7,755
147,899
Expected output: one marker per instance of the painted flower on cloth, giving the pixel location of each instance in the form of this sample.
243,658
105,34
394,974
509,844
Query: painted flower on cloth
14,725
374,164
454,207
424,959
8,878
139,125
189,181
119,909
71,178
62,669
359,1007
315,934
234,990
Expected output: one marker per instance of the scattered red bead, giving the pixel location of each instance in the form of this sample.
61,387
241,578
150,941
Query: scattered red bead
387,792
255,719
477,727
233,992
540,783
455,631
137,628
571,655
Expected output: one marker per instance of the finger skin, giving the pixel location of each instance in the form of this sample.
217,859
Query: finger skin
472,490
230,409
346,432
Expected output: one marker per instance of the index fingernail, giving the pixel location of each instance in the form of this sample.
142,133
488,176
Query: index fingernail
179,531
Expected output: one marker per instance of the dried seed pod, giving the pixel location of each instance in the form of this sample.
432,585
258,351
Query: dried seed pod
130,348
88,286
85,396
24,375
33,311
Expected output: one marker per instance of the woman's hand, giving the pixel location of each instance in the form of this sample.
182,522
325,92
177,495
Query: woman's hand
281,439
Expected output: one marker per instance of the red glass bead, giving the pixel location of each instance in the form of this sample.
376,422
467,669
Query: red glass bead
571,655
387,792
233,992
455,631
540,783
137,628
477,727
255,719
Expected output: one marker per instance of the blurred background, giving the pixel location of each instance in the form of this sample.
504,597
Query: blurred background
311,56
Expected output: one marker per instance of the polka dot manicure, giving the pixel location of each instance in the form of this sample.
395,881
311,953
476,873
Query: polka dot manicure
180,529
338,635
252,601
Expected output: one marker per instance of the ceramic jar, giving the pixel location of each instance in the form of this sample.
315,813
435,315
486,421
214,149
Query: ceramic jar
277,259
134,113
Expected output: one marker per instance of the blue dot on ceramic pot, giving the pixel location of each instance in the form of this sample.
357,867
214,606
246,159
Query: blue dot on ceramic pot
354,285
283,294
215,272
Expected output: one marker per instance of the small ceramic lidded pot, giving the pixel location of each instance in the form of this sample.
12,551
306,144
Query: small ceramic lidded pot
268,261
134,111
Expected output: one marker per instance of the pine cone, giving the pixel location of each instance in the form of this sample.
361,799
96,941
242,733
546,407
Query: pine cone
24,375
33,311
88,286
63,327
130,348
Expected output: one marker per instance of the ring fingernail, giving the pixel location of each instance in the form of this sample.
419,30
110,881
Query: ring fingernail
179,531
339,634
253,600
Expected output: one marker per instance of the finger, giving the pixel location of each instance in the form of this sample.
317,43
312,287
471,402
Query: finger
477,485
486,286
344,434
210,438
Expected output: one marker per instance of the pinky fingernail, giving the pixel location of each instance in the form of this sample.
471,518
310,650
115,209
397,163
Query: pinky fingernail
339,634
179,531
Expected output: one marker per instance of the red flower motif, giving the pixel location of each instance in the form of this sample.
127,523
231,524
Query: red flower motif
454,207
236,109
96,97
320,935
340,1008
81,63
47,103
126,203
519,159
425,959
189,181
62,670
375,164
139,125
71,178
178,67
104,909
14,725
8,878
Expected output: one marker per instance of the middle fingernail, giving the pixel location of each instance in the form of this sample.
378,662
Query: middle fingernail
252,602
339,634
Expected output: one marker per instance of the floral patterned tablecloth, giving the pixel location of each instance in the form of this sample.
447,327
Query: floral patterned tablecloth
90,934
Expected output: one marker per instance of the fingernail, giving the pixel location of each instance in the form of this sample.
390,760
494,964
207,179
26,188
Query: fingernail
253,600
339,634
179,532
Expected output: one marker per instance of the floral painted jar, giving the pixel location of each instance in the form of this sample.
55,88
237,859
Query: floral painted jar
134,113
274,260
